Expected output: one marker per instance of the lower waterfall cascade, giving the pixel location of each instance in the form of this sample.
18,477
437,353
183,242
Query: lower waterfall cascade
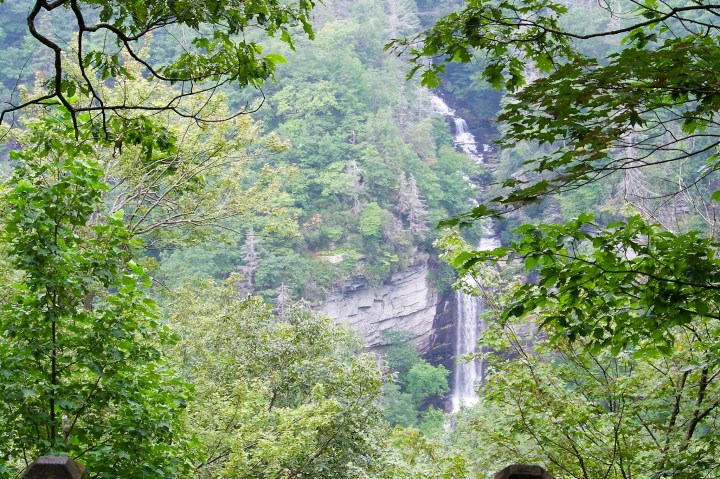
469,325
469,322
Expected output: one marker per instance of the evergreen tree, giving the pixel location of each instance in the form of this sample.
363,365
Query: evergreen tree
417,209
283,301
251,263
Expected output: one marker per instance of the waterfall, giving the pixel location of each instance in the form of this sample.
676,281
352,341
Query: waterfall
463,141
467,329
469,322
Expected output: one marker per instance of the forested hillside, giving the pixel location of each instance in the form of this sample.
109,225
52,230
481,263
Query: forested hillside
183,181
370,168
365,169
156,222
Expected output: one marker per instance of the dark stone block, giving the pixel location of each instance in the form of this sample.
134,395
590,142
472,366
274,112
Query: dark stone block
53,467
523,471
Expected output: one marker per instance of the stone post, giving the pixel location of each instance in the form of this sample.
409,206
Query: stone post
523,471
54,467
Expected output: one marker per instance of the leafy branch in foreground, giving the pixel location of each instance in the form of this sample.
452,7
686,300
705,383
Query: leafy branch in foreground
600,369
175,180
605,415
216,51
628,284
648,99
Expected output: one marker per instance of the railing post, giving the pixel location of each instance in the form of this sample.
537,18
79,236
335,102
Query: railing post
54,467
523,471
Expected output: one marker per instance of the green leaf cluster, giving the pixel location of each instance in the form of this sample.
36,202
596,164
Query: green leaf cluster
81,368
619,286
585,414
416,383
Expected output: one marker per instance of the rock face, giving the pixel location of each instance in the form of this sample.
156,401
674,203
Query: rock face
407,301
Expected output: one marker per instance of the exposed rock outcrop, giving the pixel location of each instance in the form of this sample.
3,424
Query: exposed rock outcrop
407,301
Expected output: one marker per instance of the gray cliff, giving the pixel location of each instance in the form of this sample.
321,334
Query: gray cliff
407,301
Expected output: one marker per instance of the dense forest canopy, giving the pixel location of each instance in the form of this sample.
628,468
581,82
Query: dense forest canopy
120,168
177,175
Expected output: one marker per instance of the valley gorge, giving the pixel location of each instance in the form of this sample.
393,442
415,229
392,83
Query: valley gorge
444,325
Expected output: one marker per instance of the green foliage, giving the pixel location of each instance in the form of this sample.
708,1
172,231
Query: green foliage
580,397
355,125
398,407
615,92
306,275
284,394
458,34
80,360
274,398
415,382
413,454
400,353
198,262
177,182
372,219
433,422
630,96
584,414
210,49
628,341
573,204
425,380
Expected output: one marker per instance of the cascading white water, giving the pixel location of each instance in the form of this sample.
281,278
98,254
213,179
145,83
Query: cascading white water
467,329
469,322
463,140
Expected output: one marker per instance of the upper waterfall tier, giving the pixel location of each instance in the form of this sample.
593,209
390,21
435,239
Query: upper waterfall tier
463,140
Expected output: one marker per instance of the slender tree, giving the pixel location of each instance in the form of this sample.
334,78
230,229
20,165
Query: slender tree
357,187
251,263
82,370
417,209
402,200
283,301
